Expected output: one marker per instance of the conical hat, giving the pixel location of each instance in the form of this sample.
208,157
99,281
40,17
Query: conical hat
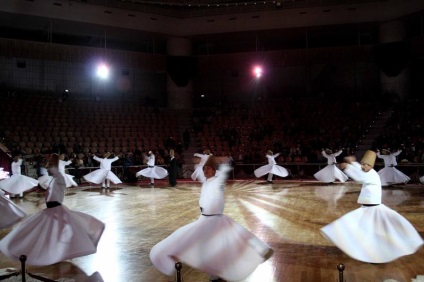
212,162
53,160
369,158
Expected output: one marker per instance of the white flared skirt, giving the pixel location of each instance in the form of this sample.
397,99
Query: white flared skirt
99,175
391,175
45,180
422,179
216,245
18,183
156,172
330,173
375,234
9,212
274,169
53,235
3,174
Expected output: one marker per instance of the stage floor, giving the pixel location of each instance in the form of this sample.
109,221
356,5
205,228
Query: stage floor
287,215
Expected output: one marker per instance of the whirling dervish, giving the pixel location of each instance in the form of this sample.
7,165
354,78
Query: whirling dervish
17,183
390,175
104,174
151,171
45,179
271,168
55,233
214,243
331,172
373,233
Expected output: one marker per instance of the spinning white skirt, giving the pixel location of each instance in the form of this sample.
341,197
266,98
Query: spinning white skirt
214,244
18,183
99,175
3,174
45,180
274,169
391,175
9,212
422,179
375,234
330,173
156,172
53,235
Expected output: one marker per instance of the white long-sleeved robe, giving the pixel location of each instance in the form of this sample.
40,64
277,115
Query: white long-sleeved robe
271,168
53,234
331,172
17,183
390,174
104,172
374,234
214,243
152,171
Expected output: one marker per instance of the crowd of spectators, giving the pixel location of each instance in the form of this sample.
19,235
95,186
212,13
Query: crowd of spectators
297,128
404,131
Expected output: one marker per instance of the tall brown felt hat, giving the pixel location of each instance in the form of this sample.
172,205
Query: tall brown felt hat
53,160
212,162
369,158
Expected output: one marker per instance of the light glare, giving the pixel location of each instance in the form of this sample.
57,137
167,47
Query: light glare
257,71
103,71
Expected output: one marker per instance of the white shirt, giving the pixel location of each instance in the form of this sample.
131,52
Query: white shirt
271,159
62,165
331,159
105,163
151,160
389,160
16,167
212,195
371,184
57,187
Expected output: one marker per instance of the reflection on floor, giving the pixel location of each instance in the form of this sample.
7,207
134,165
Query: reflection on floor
287,215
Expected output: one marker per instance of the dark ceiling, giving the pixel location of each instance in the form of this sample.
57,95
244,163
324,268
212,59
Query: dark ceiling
196,8
41,29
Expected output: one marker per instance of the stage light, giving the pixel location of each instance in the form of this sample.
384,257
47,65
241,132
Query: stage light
257,71
103,71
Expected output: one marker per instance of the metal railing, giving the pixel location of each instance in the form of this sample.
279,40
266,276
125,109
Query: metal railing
298,171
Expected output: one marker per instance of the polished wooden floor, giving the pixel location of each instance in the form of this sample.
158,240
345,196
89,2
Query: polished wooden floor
287,215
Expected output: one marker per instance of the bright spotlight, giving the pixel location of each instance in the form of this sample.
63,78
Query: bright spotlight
103,71
257,71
